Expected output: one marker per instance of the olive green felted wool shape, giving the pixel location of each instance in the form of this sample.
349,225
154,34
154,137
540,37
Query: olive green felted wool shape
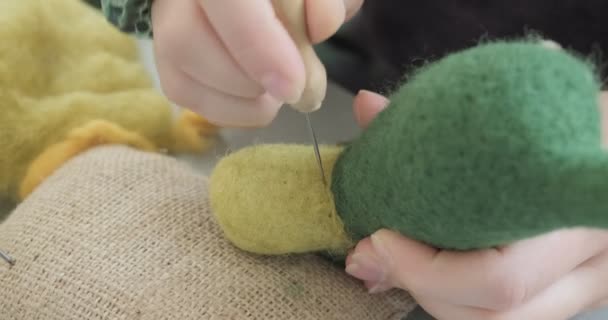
484,147
491,145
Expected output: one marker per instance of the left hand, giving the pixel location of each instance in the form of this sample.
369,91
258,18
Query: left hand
554,276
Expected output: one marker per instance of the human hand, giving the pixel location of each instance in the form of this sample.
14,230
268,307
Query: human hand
232,61
554,276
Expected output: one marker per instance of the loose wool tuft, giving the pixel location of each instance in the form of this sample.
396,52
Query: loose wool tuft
487,146
69,81
270,199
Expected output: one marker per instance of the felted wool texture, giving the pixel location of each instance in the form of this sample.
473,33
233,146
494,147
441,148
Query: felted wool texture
117,233
487,146
63,67
270,199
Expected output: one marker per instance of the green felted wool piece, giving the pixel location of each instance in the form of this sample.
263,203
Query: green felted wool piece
487,146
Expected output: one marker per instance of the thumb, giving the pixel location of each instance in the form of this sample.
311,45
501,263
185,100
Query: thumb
325,17
367,105
388,260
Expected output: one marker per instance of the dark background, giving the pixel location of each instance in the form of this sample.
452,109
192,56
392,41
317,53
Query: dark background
390,37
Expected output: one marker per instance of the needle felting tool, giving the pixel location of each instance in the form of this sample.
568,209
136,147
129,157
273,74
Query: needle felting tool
7,258
293,15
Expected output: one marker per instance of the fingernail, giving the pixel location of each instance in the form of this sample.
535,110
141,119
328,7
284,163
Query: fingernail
380,248
366,268
280,88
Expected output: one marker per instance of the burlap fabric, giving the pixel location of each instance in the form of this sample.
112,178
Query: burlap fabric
121,234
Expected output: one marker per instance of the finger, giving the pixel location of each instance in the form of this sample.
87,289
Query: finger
352,7
491,279
324,18
573,294
499,279
260,44
218,108
566,249
360,268
183,36
579,291
367,275
367,105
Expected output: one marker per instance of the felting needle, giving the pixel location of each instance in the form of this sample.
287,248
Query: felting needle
7,258
316,147
293,15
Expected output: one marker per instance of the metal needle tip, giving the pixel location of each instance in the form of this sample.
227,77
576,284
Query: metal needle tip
316,146
7,258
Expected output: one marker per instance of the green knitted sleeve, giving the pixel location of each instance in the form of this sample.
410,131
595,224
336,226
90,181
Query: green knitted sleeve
129,16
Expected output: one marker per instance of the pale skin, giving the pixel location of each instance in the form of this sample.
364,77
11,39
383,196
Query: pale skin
212,61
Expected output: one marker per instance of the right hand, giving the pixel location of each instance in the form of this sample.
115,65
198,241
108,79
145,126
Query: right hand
232,61
551,276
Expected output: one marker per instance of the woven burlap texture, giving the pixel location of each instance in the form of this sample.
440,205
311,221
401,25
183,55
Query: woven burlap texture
122,234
